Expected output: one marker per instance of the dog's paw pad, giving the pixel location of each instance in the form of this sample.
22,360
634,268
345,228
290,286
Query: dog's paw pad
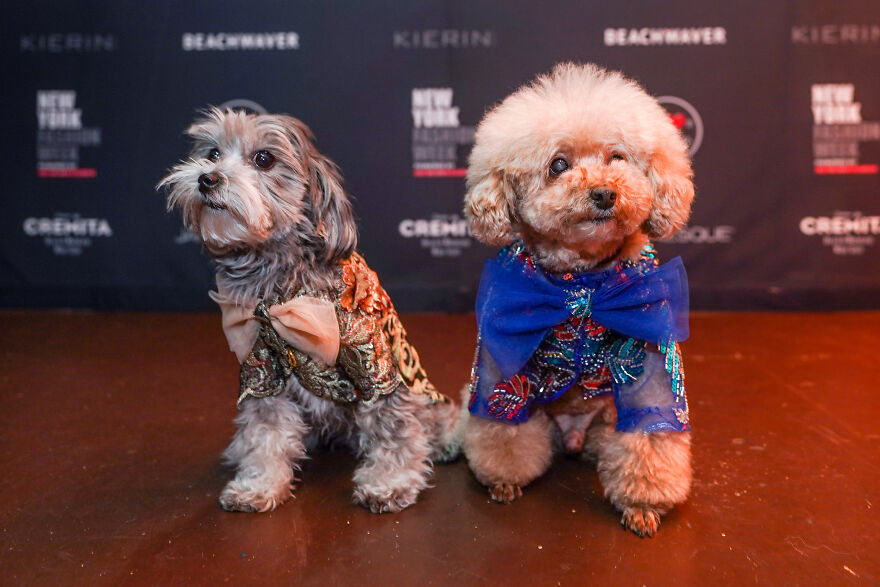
642,521
390,502
233,504
505,492
235,498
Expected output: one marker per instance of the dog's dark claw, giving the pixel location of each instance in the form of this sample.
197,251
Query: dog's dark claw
641,521
505,492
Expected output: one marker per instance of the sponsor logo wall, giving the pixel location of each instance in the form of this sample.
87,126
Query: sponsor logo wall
839,130
67,234
830,209
440,142
780,106
61,135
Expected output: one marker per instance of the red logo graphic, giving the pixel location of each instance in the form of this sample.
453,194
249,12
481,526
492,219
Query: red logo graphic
686,119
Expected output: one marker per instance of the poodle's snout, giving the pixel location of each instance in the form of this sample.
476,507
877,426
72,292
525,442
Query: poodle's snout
208,181
603,198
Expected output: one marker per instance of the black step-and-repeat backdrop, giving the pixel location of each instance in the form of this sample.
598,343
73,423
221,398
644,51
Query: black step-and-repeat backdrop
780,101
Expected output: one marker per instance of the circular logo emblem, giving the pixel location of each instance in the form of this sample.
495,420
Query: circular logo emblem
243,104
686,119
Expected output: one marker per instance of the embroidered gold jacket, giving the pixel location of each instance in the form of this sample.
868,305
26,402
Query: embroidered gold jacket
374,356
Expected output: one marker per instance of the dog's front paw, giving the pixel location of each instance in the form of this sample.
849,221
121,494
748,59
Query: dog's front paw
241,497
643,521
390,501
505,492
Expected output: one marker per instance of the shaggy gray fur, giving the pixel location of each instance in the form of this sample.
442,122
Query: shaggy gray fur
276,230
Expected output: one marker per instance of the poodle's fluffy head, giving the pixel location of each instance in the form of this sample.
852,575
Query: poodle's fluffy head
254,179
579,163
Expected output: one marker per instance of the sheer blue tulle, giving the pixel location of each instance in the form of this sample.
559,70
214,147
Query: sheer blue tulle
647,404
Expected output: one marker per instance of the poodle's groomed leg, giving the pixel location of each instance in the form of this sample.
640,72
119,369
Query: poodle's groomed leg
644,475
265,450
395,450
507,457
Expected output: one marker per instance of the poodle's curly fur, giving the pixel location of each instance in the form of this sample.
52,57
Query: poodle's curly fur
584,167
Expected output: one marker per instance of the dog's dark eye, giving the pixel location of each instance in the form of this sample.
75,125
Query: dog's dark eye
214,154
617,157
558,165
264,159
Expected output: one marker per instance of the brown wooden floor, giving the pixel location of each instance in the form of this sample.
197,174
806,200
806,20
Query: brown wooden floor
112,425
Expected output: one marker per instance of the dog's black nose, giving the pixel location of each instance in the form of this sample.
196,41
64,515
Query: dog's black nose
603,198
208,181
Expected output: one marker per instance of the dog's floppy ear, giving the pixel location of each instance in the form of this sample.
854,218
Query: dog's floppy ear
330,207
487,207
334,216
672,180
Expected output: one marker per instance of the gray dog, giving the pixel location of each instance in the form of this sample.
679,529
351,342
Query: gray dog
323,354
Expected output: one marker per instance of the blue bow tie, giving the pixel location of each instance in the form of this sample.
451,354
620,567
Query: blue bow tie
518,303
